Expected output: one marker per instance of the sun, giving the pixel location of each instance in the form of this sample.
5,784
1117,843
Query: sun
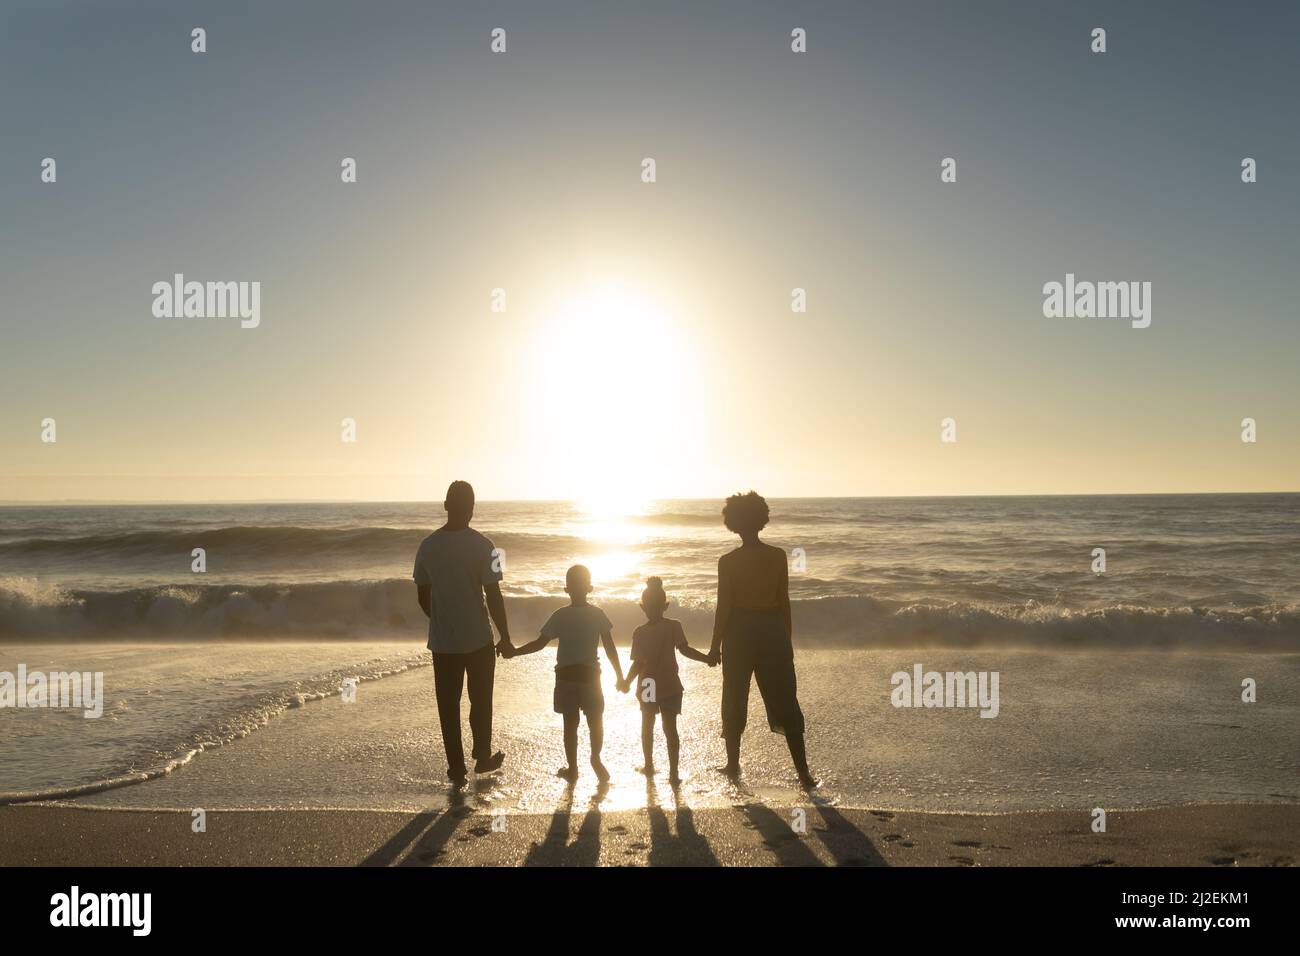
609,378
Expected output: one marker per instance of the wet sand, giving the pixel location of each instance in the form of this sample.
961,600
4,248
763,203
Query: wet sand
1173,732
337,784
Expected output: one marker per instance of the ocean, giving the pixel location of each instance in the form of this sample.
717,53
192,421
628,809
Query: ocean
1198,592
1191,570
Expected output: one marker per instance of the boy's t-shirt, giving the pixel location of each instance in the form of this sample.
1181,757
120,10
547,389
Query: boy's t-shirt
654,648
577,630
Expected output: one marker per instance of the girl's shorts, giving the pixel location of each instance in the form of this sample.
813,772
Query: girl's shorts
671,704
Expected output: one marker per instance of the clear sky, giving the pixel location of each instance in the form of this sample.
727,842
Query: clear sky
648,346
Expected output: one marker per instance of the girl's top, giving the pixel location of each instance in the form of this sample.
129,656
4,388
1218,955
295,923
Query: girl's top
654,649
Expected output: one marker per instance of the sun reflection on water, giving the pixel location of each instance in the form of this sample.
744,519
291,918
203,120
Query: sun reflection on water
614,541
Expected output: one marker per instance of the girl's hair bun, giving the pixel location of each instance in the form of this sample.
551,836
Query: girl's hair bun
654,589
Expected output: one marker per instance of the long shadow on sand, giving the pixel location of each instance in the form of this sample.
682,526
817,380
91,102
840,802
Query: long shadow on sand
686,847
846,843
427,833
555,848
779,837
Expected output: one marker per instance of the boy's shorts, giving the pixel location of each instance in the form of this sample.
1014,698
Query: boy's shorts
572,696
671,704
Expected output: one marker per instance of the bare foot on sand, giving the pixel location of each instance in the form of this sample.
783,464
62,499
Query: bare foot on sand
567,773
729,770
601,773
648,770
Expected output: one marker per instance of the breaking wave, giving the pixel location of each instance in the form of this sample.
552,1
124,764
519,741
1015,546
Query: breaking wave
387,608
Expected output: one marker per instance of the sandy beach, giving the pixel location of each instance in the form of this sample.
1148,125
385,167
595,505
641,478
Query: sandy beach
1135,711
328,783
745,835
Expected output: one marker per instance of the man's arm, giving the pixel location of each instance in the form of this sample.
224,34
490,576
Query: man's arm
496,607
423,592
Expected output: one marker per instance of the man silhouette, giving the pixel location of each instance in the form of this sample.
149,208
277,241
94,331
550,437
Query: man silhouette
456,569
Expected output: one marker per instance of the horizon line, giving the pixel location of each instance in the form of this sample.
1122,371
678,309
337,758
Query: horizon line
79,502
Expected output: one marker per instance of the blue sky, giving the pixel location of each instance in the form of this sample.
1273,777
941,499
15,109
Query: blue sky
522,171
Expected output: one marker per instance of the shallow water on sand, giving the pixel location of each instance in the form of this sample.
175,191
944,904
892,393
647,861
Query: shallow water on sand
1073,730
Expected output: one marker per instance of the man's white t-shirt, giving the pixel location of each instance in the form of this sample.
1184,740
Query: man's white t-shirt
455,565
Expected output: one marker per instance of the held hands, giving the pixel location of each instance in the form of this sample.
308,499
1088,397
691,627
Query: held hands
714,657
623,685
506,650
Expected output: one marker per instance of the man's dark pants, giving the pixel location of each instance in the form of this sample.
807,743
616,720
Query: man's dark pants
450,673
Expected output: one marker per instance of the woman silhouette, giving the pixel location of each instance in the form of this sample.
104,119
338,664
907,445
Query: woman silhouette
751,635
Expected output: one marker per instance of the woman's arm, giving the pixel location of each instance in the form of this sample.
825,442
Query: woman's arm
784,597
723,612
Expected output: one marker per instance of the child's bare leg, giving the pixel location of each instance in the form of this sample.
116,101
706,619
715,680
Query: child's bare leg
570,772
674,746
648,743
596,724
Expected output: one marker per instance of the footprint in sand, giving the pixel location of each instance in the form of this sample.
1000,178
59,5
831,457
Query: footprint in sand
907,843
882,814
1223,860
1106,862
963,860
892,837
967,843
618,829
480,831
633,847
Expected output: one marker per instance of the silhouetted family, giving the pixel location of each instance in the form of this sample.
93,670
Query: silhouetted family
458,577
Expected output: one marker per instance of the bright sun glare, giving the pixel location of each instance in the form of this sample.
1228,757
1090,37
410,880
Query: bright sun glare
610,372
